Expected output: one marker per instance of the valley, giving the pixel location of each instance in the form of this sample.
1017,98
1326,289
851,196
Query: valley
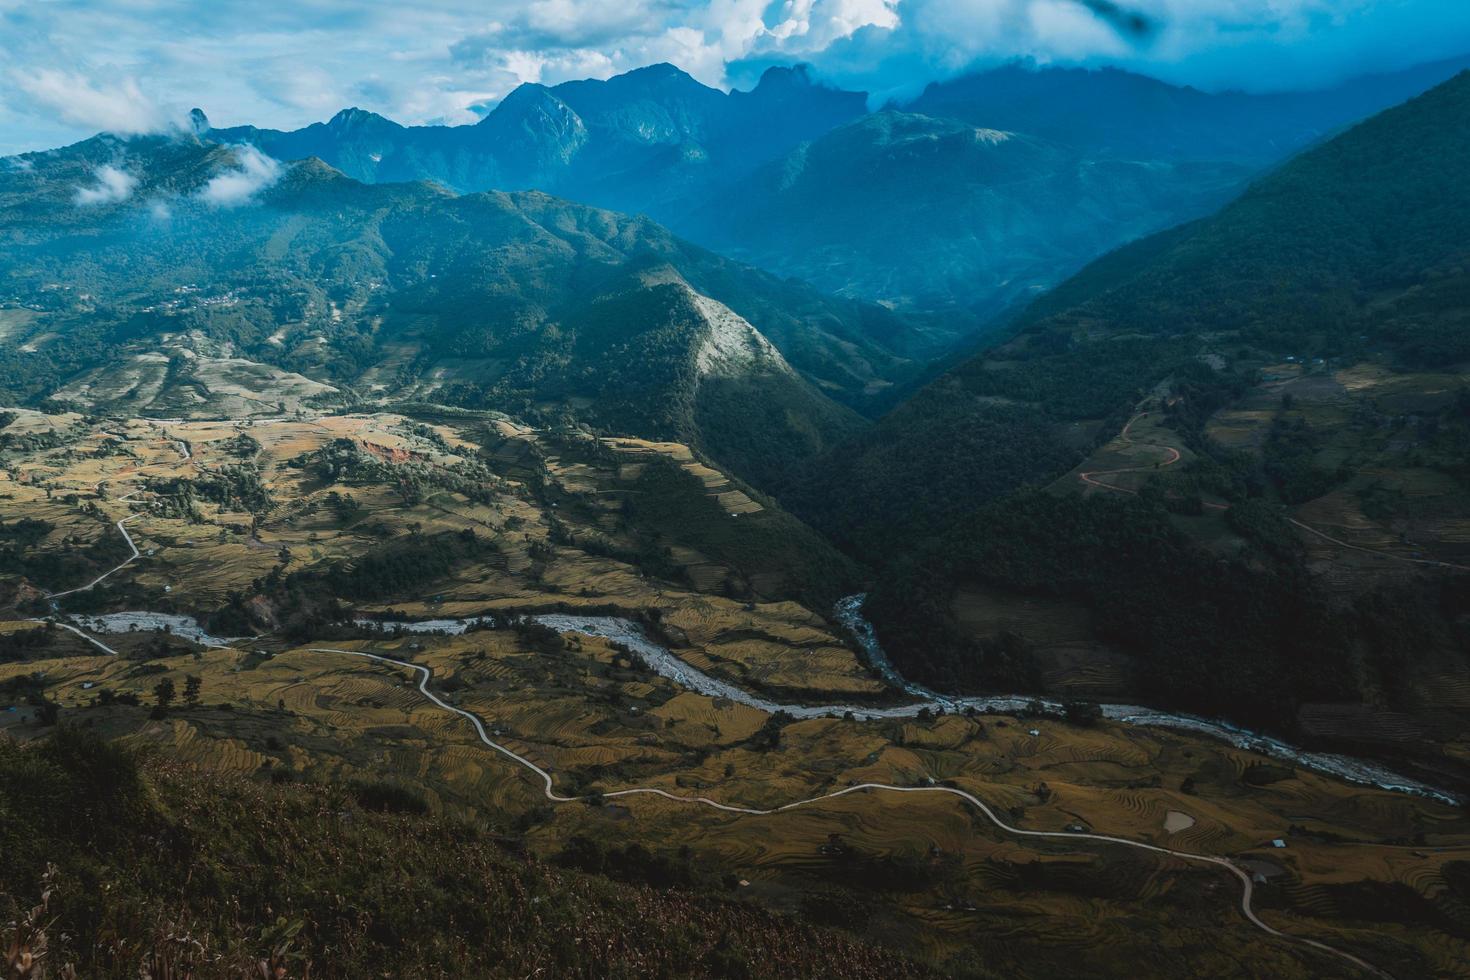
580,704
1010,522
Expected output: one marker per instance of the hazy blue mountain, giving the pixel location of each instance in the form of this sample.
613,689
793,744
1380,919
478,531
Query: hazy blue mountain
155,299
919,212
1120,113
798,178
656,104
990,189
637,141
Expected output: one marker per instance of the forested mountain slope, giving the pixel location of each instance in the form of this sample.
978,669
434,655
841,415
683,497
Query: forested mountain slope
212,279
1283,342
1356,247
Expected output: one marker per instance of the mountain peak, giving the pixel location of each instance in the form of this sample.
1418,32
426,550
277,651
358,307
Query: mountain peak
198,121
659,104
534,130
524,98
786,76
660,70
660,78
358,119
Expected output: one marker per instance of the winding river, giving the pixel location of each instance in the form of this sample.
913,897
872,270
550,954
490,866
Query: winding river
663,661
849,613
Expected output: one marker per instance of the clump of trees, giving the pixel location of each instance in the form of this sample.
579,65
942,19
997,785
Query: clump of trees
232,486
163,697
401,566
768,737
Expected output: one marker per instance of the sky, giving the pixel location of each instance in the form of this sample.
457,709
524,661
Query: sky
69,68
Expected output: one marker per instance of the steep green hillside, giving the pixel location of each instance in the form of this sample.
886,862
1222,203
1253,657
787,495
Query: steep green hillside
1356,248
1283,343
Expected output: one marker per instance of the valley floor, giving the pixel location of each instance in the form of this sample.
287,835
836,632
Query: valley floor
1122,846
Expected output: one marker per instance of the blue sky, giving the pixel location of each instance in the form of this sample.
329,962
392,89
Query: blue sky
69,68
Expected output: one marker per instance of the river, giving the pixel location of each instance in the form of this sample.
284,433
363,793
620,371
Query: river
848,612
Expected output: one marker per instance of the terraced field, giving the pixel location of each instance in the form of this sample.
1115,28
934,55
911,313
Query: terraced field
922,872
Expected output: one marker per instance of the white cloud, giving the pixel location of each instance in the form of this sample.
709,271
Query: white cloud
253,173
308,89
1258,45
71,67
113,186
116,107
817,23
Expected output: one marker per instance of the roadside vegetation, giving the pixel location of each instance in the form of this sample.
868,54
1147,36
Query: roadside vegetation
118,866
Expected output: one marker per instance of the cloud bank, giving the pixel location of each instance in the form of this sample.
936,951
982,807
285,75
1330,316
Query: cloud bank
253,173
116,106
113,186
71,67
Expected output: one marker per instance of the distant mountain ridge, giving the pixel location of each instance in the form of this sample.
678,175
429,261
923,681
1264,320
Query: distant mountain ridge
923,212
1114,112
631,142
912,226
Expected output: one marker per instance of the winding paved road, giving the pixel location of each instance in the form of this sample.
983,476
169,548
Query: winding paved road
549,789
124,564
1088,477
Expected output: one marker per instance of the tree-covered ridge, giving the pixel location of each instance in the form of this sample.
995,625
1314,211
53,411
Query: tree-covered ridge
1356,245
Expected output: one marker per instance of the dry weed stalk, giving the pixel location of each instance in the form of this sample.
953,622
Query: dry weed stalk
26,943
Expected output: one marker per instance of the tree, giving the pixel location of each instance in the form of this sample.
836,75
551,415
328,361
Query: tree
192,684
163,692
769,736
